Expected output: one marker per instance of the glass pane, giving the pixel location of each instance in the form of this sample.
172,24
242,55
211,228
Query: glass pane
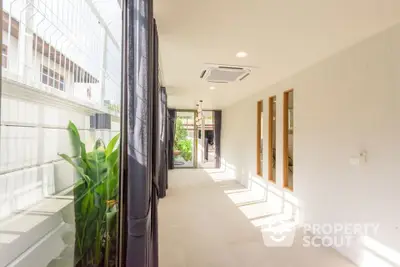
209,160
50,82
290,139
272,139
44,70
259,141
288,157
44,79
184,139
51,212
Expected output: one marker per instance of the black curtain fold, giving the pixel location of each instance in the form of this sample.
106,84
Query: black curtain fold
217,137
171,137
163,172
156,149
138,244
165,108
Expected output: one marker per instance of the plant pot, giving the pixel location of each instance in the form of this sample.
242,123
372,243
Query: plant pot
177,153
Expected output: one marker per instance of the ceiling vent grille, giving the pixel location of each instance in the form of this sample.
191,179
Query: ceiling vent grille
224,74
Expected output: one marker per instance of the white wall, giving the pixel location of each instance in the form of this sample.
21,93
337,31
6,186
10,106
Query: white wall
342,106
32,135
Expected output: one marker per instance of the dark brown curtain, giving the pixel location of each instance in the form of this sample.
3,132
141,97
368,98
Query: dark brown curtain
217,137
138,191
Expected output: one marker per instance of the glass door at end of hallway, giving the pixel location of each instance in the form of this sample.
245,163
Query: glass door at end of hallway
206,146
185,148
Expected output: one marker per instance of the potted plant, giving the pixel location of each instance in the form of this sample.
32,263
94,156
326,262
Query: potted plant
95,200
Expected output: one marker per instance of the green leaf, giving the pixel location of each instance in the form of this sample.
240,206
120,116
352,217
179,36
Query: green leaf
98,243
111,222
92,215
72,127
95,197
79,184
74,138
97,166
113,159
77,168
98,200
111,217
111,145
111,184
83,152
87,203
99,145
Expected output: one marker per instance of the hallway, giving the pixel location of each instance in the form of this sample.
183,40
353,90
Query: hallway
206,221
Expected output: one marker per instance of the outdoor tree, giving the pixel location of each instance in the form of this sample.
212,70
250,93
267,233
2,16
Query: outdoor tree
180,132
182,143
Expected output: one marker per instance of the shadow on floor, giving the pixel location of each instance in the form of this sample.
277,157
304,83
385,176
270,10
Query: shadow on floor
209,220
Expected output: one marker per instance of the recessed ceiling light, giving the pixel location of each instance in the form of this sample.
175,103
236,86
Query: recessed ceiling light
241,54
212,88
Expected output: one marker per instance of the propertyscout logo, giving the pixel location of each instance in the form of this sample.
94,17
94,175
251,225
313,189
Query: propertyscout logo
282,234
336,234
278,233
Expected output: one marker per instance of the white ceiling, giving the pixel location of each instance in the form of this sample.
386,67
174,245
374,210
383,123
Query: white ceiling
281,38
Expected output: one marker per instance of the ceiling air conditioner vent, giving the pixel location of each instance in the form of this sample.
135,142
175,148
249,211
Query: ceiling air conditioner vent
224,74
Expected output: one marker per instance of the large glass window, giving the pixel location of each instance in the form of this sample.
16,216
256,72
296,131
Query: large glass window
185,139
59,152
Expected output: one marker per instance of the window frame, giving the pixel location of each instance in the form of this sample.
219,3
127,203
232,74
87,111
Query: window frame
285,131
259,169
272,102
52,78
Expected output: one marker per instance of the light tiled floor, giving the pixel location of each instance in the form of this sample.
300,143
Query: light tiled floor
200,226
